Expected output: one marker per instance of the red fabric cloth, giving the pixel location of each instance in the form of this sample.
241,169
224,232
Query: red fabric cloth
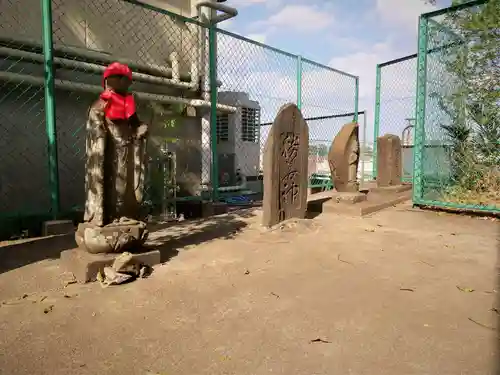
119,107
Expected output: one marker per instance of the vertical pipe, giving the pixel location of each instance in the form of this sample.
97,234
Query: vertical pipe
212,52
356,99
376,124
299,82
205,16
50,110
419,142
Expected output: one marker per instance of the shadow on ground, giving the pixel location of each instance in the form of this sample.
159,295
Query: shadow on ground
169,238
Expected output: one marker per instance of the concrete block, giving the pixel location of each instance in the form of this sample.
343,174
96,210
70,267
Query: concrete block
85,266
390,189
56,227
213,208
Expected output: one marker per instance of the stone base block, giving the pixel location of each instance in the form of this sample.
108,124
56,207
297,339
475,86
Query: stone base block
213,208
85,266
349,198
56,227
390,189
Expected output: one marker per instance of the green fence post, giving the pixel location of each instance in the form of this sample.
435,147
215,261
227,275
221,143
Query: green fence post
299,82
356,99
419,143
212,40
50,110
376,123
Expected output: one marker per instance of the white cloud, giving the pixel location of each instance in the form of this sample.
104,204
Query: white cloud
261,38
398,86
299,18
403,14
246,3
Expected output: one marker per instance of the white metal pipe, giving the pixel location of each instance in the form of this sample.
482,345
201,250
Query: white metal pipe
68,85
176,73
153,69
95,68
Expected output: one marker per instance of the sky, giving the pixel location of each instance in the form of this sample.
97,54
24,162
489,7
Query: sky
351,36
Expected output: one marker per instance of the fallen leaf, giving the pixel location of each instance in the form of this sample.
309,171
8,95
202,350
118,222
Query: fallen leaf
343,261
481,324
321,341
247,272
424,262
407,289
466,290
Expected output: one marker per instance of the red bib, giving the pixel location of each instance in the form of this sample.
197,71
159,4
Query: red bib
118,107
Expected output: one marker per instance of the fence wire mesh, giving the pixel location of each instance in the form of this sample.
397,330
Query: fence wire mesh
24,187
174,62
395,107
457,153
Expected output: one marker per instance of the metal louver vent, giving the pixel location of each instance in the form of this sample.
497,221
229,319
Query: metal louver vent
250,122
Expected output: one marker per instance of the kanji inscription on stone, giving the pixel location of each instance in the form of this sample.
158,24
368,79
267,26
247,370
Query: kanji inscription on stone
285,167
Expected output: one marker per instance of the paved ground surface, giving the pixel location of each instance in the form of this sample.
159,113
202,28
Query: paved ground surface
381,293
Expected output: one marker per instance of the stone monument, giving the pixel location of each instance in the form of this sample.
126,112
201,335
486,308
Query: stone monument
343,159
389,161
115,169
285,167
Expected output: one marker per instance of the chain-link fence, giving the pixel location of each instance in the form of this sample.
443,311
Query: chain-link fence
204,91
395,107
258,80
457,133
322,131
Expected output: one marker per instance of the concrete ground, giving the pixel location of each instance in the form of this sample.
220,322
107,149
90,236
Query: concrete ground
401,292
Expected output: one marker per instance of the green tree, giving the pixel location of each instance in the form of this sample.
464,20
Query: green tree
472,105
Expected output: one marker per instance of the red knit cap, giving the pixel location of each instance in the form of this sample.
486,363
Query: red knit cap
116,69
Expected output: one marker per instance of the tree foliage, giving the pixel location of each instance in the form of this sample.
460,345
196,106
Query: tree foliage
472,105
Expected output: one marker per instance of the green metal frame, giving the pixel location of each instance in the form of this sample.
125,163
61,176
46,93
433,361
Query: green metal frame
299,82
420,110
50,107
356,99
423,51
376,124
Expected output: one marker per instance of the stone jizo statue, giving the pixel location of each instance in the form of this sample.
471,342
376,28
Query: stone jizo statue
115,169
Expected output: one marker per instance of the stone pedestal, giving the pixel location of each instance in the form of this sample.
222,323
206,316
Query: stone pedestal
390,189
125,235
86,266
347,197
